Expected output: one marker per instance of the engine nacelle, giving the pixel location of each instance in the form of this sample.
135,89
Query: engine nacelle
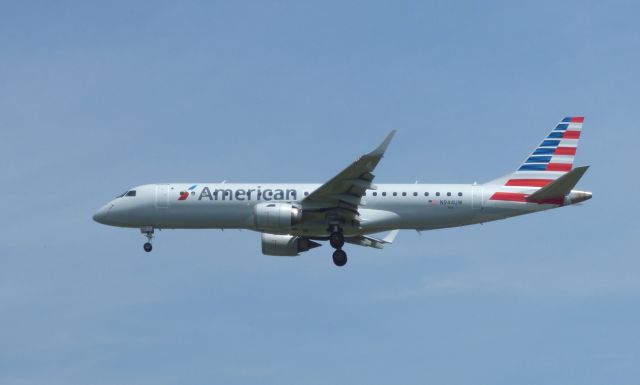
285,245
272,215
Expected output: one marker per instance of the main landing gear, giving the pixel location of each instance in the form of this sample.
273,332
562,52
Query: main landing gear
336,240
339,257
148,232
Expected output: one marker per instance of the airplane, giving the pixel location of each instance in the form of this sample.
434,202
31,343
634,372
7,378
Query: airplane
349,208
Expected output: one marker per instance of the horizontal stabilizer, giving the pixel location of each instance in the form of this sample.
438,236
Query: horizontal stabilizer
560,187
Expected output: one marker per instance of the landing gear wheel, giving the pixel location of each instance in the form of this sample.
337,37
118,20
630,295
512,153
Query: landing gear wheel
339,258
336,240
147,231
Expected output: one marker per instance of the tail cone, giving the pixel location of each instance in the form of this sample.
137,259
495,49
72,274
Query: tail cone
579,196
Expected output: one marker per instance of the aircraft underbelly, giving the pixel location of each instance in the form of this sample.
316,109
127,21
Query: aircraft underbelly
374,218
205,216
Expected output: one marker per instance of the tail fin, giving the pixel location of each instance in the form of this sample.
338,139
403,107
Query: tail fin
551,159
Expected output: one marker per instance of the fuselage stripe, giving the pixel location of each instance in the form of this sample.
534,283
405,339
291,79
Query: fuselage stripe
528,182
510,197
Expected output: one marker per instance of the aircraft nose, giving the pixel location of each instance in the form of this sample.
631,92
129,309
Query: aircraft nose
101,215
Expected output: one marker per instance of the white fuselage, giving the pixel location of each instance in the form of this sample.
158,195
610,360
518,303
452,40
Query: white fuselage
232,206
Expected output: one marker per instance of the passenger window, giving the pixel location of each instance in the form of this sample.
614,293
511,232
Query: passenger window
415,194
459,194
375,194
437,194
426,193
131,193
448,194
384,194
306,193
395,194
404,194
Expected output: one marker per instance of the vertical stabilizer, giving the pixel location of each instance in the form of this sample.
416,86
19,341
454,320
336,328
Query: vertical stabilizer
551,159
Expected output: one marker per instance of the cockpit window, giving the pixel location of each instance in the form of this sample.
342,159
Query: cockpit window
130,193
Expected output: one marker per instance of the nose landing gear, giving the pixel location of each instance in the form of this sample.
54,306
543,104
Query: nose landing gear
148,232
336,240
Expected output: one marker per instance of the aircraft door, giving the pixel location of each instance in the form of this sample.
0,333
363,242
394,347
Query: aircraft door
476,197
162,196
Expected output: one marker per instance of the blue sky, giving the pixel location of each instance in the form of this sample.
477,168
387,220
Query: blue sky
98,97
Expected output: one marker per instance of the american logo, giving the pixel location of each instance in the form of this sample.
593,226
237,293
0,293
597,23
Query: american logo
185,194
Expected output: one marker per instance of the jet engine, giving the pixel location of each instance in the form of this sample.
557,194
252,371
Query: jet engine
285,245
271,215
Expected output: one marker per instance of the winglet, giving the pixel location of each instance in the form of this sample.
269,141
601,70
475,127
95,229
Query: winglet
383,146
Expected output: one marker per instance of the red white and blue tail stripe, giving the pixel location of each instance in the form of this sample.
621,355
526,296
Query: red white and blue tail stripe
553,158
558,150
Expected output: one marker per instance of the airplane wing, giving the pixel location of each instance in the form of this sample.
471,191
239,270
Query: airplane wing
343,193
